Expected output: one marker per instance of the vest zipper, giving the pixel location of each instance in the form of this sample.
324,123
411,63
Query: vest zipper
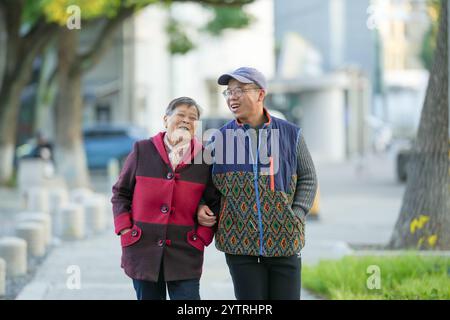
258,204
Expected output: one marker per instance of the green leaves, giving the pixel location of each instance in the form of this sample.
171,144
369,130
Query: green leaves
32,11
228,18
226,15
429,41
179,42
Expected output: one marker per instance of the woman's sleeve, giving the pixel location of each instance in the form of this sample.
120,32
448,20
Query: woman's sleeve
123,192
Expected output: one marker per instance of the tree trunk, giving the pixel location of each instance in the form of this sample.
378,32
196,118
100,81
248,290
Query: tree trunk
20,52
69,149
14,81
46,93
10,90
424,221
9,109
2,44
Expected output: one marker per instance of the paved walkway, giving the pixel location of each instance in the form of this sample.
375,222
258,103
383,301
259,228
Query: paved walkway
101,277
355,207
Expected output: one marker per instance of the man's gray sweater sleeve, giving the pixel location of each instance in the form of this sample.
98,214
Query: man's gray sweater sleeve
306,187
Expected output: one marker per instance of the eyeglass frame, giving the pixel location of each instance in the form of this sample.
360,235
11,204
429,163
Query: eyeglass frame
232,92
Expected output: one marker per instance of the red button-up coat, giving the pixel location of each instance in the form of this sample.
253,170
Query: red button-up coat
159,203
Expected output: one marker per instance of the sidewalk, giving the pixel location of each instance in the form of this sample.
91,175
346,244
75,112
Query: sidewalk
101,277
355,208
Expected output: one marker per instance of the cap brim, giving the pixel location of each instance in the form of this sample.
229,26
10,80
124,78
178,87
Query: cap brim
225,78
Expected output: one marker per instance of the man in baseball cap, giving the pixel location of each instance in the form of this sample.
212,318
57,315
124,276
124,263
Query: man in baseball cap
245,95
263,203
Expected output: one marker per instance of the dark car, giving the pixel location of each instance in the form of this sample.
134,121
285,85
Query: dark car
403,155
101,143
106,142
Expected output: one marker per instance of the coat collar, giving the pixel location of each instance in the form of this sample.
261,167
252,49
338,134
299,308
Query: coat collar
195,148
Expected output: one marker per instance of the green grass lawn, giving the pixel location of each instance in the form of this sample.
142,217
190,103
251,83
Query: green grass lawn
401,277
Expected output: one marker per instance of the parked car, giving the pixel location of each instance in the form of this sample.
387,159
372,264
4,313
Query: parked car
106,142
403,152
101,143
213,122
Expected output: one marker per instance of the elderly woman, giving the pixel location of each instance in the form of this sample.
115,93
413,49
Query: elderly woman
155,202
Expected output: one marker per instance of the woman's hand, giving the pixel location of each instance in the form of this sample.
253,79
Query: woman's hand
205,216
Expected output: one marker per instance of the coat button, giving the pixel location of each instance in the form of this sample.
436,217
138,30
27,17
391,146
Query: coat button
194,237
160,243
164,208
134,233
169,175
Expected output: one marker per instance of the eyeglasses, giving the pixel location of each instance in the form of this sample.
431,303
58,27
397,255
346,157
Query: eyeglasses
237,92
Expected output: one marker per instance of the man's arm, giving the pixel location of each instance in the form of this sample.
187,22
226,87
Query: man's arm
306,187
211,195
209,205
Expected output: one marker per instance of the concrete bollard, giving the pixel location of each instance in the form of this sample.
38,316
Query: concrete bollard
2,277
108,211
14,251
57,199
113,171
80,195
31,173
33,234
107,208
72,222
95,214
44,218
37,200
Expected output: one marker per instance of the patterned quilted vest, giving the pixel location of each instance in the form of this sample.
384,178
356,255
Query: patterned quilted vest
255,172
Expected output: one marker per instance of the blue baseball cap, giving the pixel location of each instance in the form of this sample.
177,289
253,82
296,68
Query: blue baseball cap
244,75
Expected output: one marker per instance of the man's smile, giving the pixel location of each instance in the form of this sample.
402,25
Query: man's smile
234,107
